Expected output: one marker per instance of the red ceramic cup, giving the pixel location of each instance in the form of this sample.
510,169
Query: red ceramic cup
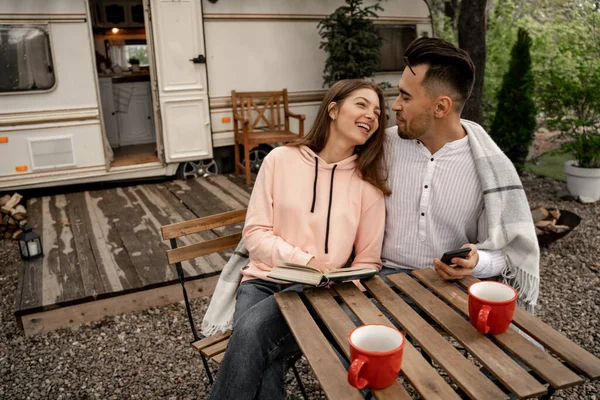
376,356
491,306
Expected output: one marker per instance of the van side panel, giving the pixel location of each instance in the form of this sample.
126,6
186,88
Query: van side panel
50,132
74,74
13,8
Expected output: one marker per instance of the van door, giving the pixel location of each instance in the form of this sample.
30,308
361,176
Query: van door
178,42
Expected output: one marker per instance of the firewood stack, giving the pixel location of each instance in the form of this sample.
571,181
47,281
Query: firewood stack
545,221
12,216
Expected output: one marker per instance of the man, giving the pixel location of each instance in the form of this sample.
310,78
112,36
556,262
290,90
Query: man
451,185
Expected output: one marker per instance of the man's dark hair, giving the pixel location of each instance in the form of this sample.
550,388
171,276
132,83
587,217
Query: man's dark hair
447,64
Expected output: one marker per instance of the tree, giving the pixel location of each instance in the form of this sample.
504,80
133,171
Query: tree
351,42
514,124
471,38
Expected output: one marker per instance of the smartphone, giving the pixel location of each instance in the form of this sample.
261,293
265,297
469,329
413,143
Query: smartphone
449,255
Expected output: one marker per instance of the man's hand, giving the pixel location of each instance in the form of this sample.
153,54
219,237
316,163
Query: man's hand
464,266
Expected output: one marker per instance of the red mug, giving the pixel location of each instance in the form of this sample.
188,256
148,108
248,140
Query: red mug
491,306
376,356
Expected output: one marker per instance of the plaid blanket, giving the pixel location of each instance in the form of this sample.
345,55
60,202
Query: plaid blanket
510,225
219,315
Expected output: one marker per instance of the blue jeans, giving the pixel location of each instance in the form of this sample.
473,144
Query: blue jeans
254,366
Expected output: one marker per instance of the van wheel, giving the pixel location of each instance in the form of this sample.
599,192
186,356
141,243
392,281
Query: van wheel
195,169
257,156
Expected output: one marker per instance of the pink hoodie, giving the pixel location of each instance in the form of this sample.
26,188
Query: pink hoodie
301,207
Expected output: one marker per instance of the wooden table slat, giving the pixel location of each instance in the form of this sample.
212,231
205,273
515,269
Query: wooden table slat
463,372
340,325
571,353
327,367
422,376
491,356
548,367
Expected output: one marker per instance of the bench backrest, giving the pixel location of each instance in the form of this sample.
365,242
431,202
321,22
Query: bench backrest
263,109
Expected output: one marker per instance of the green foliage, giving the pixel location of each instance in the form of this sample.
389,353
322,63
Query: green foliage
133,61
569,88
585,148
500,38
138,52
351,42
514,122
443,26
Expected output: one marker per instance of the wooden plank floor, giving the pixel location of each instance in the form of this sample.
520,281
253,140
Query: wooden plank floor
107,243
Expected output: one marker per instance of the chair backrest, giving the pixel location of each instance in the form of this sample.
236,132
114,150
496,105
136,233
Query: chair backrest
178,254
177,230
264,110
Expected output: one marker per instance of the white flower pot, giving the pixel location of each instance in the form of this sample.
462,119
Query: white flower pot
583,183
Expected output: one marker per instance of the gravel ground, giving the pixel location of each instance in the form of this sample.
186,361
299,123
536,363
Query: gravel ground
146,354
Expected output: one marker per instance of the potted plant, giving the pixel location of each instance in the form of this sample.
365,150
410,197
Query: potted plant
583,173
568,90
135,64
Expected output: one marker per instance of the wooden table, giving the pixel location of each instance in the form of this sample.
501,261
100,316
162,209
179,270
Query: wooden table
446,304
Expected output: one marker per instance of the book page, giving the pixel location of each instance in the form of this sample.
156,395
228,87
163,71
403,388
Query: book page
307,276
284,264
347,274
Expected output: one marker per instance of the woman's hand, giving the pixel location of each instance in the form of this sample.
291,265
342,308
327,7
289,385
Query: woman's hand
313,264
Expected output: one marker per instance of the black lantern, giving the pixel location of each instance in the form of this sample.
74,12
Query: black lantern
30,244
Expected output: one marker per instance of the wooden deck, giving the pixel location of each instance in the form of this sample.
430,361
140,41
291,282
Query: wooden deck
104,254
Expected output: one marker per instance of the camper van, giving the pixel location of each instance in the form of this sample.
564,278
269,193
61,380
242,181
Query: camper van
99,90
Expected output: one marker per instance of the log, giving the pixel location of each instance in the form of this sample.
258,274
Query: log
539,214
543,224
14,200
19,212
16,234
12,222
7,234
562,228
22,223
552,228
4,220
4,199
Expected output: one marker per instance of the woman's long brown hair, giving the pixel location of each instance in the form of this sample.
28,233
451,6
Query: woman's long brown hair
370,160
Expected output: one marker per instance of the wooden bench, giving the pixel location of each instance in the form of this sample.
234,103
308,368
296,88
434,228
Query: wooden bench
261,118
212,347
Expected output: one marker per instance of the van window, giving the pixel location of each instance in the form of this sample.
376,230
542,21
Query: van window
26,58
396,39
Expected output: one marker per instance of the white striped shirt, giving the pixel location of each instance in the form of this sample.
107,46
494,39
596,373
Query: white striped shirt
436,205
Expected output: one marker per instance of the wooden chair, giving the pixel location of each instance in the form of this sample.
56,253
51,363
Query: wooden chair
212,347
258,119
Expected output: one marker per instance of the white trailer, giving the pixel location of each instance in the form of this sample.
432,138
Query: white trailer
73,109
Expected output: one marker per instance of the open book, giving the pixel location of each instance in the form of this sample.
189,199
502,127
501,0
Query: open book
297,273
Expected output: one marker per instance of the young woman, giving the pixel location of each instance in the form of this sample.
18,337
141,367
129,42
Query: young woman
313,203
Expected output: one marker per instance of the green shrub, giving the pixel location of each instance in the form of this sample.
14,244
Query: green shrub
514,123
351,42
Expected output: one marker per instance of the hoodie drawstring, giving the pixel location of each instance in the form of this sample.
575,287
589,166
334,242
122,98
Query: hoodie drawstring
312,208
329,210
